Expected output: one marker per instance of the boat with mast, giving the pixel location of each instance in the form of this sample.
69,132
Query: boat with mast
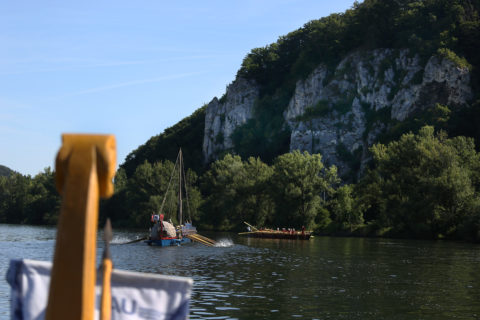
164,233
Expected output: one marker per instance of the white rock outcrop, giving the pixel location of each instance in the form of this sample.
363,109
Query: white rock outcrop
366,83
223,117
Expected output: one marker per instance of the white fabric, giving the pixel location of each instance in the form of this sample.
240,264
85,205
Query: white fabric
135,295
169,229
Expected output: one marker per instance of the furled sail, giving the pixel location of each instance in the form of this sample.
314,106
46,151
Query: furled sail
169,229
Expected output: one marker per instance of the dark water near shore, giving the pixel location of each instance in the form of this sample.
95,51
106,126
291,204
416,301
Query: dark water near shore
324,278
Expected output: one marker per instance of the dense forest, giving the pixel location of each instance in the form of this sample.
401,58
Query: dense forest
28,200
423,180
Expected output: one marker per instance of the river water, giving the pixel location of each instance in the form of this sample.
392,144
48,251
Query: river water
324,278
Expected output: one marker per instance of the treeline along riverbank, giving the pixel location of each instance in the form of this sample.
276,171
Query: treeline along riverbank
423,185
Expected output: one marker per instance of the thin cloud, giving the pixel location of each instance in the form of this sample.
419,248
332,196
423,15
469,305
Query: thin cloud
100,64
127,84
72,67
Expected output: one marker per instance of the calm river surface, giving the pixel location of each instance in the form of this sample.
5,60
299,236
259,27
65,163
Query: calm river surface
324,278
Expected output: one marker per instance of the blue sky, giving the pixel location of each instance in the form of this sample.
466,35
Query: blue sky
128,68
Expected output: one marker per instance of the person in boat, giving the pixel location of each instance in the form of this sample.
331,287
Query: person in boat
157,229
154,230
154,218
152,226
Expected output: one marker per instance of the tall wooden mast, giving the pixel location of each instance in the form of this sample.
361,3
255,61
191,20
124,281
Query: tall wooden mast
180,166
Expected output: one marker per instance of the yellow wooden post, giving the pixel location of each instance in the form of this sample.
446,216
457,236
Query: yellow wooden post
85,167
106,303
107,266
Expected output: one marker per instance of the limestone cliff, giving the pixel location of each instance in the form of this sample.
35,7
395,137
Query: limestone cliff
340,113
224,115
365,83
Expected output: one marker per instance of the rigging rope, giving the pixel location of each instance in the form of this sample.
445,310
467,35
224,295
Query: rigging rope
186,190
169,183
186,195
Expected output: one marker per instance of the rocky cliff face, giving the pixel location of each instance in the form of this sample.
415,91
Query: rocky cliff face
223,116
363,85
340,114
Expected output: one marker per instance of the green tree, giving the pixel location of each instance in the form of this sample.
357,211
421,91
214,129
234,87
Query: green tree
44,200
297,185
193,197
27,200
16,198
427,182
346,209
237,191
258,206
221,186
4,196
116,207
145,189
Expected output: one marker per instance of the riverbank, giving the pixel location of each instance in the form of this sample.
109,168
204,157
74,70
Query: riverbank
372,230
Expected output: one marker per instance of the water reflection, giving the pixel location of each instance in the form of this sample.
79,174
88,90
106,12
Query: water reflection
324,278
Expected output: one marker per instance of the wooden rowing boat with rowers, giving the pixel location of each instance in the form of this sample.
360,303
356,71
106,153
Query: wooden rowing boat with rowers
291,234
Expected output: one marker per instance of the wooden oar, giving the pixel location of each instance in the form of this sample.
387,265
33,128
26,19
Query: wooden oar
137,240
253,228
201,239
205,238
193,238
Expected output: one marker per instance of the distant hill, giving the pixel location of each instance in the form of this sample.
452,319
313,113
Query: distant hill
5,172
186,134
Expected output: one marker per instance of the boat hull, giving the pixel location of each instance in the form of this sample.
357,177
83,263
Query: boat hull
167,242
278,235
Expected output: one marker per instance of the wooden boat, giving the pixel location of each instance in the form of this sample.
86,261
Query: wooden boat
163,233
183,234
291,233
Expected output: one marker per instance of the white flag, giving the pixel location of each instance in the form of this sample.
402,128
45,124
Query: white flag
135,295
